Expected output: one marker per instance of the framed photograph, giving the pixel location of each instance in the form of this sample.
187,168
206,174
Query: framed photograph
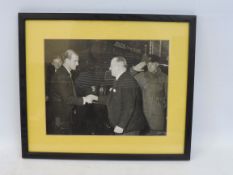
106,86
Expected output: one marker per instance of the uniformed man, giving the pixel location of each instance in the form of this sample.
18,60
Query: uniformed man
153,84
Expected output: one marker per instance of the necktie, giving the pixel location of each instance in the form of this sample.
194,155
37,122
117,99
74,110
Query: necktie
74,91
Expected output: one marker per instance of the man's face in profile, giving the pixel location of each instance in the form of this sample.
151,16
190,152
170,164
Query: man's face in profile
73,61
114,67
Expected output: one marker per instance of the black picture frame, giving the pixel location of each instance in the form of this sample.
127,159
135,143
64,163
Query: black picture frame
190,19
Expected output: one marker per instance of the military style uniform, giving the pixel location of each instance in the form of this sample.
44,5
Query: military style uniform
154,92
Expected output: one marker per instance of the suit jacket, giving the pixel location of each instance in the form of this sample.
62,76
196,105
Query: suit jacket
124,104
62,95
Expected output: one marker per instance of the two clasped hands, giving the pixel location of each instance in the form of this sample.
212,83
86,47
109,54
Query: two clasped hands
89,99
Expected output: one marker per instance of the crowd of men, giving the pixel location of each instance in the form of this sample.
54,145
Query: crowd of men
135,104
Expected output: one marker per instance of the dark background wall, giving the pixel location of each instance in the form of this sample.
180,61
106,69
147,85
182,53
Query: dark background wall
100,52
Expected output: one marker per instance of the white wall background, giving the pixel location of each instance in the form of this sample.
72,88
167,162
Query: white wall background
212,142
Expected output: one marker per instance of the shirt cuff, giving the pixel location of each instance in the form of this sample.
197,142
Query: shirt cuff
84,100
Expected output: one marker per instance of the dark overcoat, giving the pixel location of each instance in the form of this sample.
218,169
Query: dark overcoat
154,92
124,104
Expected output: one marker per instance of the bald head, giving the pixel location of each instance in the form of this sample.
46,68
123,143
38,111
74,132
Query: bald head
118,66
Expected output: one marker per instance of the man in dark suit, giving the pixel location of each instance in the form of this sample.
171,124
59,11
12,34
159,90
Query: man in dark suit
63,96
124,103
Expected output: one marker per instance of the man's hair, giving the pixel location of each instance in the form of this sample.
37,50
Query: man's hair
57,57
122,60
68,54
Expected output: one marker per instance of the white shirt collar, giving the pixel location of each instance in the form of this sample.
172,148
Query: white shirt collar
67,69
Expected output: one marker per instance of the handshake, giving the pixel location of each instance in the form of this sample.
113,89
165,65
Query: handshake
89,99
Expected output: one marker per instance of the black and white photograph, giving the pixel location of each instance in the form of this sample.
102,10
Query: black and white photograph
93,89
106,87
